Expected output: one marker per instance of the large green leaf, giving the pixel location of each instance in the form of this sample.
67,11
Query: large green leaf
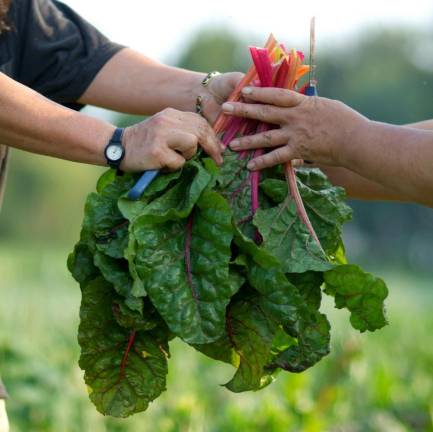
116,272
221,350
80,264
299,318
132,209
234,184
288,239
324,203
104,227
178,201
260,255
251,332
361,293
124,369
147,318
191,302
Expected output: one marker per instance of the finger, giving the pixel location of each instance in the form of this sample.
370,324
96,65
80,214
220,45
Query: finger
208,140
173,160
186,143
222,86
273,96
231,80
266,139
276,157
297,163
264,113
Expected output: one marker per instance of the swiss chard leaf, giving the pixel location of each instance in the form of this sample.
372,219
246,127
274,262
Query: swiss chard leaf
125,369
324,202
178,201
289,240
361,293
80,264
251,332
184,266
300,319
116,272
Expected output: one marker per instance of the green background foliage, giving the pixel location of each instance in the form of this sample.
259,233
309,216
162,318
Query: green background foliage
370,382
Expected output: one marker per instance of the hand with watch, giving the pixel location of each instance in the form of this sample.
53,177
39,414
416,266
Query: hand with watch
164,141
114,151
170,137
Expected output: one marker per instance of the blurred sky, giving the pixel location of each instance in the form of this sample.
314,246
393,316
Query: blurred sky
160,28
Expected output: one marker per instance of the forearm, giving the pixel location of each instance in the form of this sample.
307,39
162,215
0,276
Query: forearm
398,158
31,122
358,187
425,124
131,82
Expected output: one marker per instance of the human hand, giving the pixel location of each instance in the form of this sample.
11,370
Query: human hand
217,92
167,140
311,128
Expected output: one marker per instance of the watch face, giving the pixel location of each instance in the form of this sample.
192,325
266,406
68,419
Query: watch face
114,152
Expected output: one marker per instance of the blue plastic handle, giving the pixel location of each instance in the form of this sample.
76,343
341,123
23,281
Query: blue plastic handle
311,90
142,184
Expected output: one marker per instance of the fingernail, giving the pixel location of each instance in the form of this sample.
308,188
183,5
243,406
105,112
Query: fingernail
235,144
228,107
247,90
251,165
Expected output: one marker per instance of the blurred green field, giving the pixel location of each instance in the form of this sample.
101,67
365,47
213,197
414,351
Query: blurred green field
370,382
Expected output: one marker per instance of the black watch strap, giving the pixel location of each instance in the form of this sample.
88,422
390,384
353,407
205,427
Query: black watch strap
116,140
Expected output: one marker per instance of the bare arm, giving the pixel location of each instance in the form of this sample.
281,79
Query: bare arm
31,122
133,83
425,124
397,158
359,187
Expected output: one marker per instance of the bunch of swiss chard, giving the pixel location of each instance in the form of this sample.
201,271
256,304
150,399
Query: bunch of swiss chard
233,263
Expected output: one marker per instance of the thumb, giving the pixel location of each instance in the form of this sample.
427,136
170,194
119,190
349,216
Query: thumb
222,86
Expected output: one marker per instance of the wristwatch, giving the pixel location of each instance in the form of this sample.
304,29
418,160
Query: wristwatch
114,151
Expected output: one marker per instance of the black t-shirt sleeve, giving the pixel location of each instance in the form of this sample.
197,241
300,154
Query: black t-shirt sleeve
60,52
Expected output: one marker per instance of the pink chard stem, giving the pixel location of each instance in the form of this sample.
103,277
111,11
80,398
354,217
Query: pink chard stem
294,192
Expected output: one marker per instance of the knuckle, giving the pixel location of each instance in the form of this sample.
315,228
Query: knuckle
202,131
155,152
203,122
278,156
281,96
242,110
267,139
192,147
168,111
246,141
179,163
157,120
263,111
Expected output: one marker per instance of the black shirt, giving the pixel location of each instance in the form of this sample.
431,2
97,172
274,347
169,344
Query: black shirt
51,49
